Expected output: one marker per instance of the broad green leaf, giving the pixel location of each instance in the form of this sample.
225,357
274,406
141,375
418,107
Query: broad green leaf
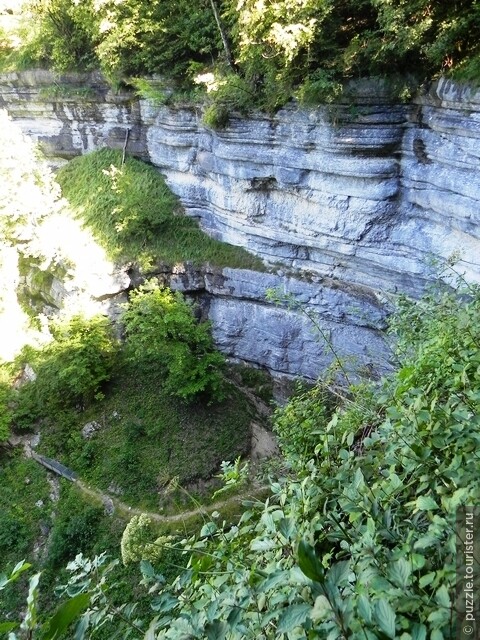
426,579
418,561
262,599
309,563
263,545
273,581
339,572
269,616
286,526
458,497
385,617
163,603
234,616
216,630
442,596
29,622
425,503
439,617
320,608
65,615
425,542
364,608
7,626
419,631
82,626
146,568
293,616
358,479
19,568
399,572
208,529
150,633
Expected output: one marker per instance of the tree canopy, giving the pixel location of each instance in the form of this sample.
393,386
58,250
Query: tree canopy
301,48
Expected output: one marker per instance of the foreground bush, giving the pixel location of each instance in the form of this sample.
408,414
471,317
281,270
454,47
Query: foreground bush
362,544
360,541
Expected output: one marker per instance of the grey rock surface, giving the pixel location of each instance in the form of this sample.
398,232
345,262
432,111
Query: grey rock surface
346,204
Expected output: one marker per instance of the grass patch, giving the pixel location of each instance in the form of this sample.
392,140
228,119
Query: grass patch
23,505
146,437
73,524
135,217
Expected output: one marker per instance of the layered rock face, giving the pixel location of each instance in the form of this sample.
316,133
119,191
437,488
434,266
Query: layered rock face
347,203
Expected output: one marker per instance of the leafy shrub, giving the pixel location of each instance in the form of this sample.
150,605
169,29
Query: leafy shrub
74,532
14,535
69,370
371,522
319,87
157,92
227,93
299,423
162,332
156,37
216,116
361,543
5,403
65,35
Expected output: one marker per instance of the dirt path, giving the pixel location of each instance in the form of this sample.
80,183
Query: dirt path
263,446
113,505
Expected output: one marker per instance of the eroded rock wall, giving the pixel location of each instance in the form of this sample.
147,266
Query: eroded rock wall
347,204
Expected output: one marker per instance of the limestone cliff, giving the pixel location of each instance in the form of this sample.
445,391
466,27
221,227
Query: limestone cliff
348,202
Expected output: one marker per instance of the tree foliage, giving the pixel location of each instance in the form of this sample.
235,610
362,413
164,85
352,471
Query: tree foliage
69,370
162,331
303,48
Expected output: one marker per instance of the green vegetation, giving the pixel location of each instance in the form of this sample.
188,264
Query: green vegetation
144,439
261,54
166,411
58,523
110,198
358,540
69,371
161,332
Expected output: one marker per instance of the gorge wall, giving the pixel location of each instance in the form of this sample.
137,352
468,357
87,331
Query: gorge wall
346,203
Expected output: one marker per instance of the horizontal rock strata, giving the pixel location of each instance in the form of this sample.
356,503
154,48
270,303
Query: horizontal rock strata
347,203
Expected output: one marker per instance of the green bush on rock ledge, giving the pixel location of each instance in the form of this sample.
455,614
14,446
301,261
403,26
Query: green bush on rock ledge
162,332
